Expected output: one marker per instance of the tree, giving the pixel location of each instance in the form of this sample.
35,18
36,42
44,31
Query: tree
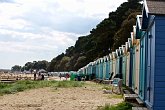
16,68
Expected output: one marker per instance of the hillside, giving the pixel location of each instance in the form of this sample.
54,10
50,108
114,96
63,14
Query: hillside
108,35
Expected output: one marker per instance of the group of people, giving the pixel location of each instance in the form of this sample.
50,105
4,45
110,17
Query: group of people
40,76
66,76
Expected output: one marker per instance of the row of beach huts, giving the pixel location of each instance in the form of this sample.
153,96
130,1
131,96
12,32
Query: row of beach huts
141,61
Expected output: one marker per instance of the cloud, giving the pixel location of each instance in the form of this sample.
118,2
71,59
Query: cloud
42,29
7,1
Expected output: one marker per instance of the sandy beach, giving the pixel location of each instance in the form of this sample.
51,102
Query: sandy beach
80,98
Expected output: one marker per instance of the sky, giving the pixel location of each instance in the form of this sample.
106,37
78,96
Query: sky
33,30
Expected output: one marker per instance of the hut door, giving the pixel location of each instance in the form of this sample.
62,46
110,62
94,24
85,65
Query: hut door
142,67
150,68
133,68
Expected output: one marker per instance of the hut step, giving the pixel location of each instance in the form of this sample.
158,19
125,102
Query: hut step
126,91
130,96
139,101
139,108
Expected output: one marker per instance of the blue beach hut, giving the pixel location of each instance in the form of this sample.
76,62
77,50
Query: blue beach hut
100,68
97,68
142,72
153,22
106,67
93,70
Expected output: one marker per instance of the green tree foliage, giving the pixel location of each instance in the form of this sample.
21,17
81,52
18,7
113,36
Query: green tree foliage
16,68
124,32
81,61
35,65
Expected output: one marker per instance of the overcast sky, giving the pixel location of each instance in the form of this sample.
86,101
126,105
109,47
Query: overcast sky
41,29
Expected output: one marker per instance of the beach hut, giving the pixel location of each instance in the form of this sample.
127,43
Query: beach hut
117,61
101,68
104,67
110,64
107,67
97,68
114,56
127,63
153,22
143,44
120,60
136,60
86,70
89,70
93,70
131,80
124,64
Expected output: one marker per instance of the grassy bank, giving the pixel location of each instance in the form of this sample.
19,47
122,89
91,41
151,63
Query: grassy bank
120,106
25,85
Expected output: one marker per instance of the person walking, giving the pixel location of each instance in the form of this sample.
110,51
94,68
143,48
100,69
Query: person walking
60,75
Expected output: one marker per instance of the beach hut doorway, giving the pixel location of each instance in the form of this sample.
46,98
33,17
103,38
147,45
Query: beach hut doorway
142,67
150,69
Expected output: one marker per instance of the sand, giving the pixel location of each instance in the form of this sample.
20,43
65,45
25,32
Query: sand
80,98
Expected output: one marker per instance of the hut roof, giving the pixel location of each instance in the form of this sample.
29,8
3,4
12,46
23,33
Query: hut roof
156,6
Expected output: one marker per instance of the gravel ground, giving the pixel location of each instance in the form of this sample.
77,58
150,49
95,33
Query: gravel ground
80,98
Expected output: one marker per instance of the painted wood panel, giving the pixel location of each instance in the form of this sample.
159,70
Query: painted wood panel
160,103
160,47
142,75
159,90
160,28
150,65
159,76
